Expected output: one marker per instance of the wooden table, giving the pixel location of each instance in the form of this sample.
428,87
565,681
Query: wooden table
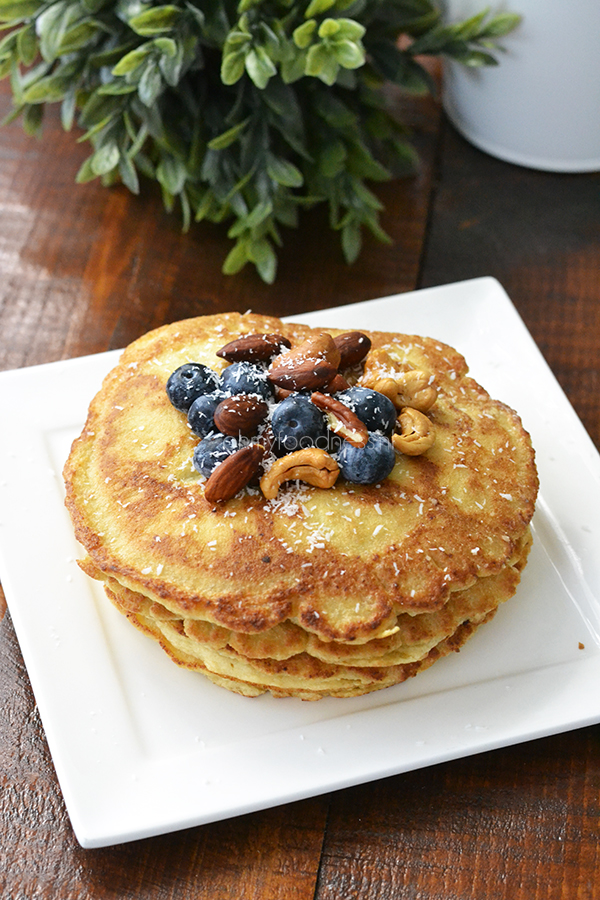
85,269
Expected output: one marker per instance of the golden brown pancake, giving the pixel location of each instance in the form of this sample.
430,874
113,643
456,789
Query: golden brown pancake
287,660
318,591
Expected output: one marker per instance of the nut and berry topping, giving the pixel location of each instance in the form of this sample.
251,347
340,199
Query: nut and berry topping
308,366
415,433
311,465
279,413
296,423
240,414
254,348
188,382
342,420
234,473
353,347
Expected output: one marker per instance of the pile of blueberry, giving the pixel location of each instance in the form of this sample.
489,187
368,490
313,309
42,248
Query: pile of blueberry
293,423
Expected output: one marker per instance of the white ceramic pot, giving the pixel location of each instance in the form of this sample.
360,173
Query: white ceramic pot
541,106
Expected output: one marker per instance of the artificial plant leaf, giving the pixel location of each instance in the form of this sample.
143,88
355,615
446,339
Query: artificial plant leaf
284,172
156,20
8,44
133,60
116,88
436,40
97,109
318,7
293,68
196,14
260,67
105,159
228,137
77,37
110,55
93,6
473,58
46,90
351,240
27,45
51,25
6,64
172,174
471,27
501,25
252,220
167,47
261,253
150,85
319,56
362,163
233,66
186,211
128,174
32,119
85,173
328,28
236,258
349,54
335,112
399,67
67,110
15,11
304,34
286,212
350,30
154,80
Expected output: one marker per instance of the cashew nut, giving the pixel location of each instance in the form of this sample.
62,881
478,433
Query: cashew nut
417,433
413,388
311,464
379,364
418,390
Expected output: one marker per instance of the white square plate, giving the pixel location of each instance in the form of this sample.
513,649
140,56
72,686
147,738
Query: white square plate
142,747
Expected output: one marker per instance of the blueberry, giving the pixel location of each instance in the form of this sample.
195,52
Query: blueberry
368,464
374,409
201,412
188,382
213,450
246,378
334,443
297,423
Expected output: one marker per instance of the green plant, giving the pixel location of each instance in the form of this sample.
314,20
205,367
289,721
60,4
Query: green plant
244,112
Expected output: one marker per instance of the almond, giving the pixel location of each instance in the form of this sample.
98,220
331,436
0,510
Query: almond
234,473
342,420
339,383
309,366
240,414
253,348
281,393
308,375
353,347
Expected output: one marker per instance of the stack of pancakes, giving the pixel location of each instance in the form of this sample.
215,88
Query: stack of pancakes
318,592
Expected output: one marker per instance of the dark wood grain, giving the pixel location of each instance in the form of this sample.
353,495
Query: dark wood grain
85,269
516,823
273,854
538,233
